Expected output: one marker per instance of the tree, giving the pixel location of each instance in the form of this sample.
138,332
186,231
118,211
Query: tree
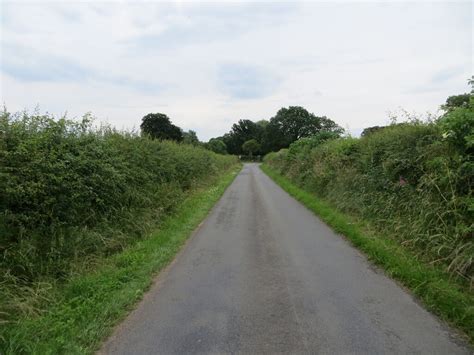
272,138
217,146
260,133
251,147
190,137
293,123
159,126
288,125
456,101
241,132
328,125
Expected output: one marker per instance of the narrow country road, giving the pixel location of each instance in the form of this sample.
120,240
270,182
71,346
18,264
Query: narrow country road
263,275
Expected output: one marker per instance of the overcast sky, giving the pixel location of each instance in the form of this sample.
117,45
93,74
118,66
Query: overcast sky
208,65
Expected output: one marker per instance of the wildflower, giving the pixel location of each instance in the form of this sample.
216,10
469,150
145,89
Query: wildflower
402,181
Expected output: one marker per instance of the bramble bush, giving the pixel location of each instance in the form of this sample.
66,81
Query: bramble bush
70,192
411,180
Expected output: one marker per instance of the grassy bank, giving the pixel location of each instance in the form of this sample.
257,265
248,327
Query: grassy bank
83,311
448,297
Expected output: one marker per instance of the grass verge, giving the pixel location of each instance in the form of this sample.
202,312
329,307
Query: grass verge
86,309
451,300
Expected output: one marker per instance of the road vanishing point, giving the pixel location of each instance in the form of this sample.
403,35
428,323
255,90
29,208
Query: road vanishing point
263,275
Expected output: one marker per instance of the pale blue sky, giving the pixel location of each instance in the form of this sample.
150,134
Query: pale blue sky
207,65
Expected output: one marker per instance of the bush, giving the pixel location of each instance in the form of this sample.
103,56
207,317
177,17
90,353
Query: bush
69,192
411,180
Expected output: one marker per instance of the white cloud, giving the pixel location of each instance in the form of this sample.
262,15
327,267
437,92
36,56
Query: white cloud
208,66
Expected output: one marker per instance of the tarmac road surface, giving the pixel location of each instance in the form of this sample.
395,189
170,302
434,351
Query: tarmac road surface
263,275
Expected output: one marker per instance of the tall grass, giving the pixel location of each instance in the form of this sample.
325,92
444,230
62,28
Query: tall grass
412,181
71,194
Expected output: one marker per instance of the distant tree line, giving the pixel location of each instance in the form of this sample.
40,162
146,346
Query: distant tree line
247,137
251,138
287,126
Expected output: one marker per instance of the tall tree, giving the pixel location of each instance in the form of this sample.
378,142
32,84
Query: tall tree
241,132
251,147
293,123
159,126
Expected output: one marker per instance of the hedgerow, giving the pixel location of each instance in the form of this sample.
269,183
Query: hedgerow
412,181
71,193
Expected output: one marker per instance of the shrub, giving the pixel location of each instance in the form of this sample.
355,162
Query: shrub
69,192
412,180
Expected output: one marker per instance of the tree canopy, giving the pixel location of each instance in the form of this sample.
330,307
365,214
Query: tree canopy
159,126
241,132
216,145
456,101
246,136
251,147
295,122
288,125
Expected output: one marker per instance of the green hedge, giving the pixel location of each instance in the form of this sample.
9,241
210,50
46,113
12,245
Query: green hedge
411,180
70,192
